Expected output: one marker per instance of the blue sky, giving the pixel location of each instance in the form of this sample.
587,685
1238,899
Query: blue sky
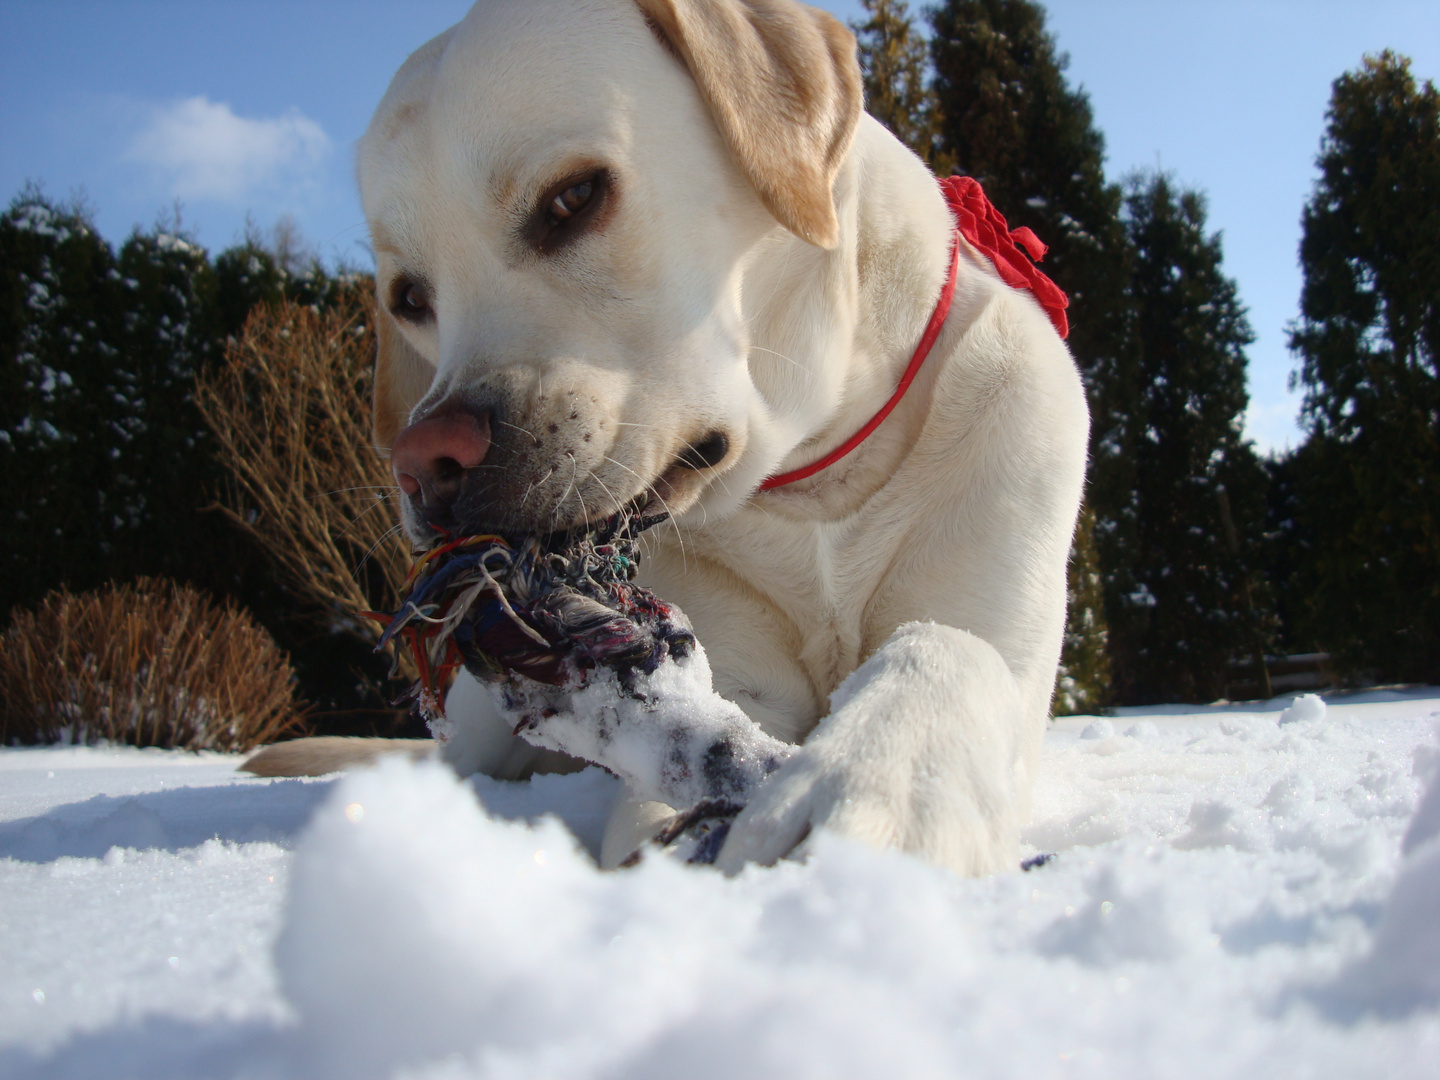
249,109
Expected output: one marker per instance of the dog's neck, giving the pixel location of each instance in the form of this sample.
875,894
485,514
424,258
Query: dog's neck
834,330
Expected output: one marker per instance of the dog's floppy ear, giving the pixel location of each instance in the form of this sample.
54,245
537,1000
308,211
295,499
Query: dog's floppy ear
402,376
784,88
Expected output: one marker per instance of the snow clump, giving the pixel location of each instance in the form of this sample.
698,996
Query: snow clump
1307,708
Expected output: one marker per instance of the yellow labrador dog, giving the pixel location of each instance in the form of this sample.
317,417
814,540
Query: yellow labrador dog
654,250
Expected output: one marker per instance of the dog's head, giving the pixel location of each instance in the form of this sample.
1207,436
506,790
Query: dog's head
563,196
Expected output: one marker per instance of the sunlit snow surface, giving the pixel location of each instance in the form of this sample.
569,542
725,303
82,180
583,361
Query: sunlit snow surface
1233,897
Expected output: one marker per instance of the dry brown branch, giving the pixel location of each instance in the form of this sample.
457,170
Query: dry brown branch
152,664
290,409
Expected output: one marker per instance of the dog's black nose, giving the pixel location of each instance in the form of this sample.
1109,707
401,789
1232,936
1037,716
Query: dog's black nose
707,453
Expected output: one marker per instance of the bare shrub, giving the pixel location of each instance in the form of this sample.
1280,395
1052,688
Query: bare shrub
290,409
151,664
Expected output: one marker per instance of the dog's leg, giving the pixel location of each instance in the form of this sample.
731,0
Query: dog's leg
632,824
324,754
925,749
481,740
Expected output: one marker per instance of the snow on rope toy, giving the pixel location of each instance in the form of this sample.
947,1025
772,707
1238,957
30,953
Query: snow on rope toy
588,663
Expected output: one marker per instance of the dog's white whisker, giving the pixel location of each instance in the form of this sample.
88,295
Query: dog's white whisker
524,431
377,504
386,535
643,482
787,359
650,488
617,506
531,489
719,481
560,502
389,489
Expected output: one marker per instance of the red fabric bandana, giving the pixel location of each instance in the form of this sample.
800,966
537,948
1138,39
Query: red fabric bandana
988,232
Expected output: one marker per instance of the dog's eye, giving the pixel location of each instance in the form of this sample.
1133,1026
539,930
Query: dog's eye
571,201
569,210
410,302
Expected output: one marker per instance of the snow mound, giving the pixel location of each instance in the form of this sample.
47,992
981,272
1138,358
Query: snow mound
1229,896
1402,972
173,819
419,929
1306,709
1425,825
424,938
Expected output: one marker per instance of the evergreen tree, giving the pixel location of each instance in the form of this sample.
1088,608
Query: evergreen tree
1197,503
105,456
893,60
1290,547
1007,116
245,275
161,462
1369,344
1083,682
61,414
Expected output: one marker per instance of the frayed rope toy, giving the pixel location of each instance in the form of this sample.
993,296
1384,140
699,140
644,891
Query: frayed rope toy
550,608
556,626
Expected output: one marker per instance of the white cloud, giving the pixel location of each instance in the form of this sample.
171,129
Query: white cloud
1274,425
205,151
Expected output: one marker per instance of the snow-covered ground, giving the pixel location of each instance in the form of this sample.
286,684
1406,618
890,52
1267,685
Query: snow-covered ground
1235,895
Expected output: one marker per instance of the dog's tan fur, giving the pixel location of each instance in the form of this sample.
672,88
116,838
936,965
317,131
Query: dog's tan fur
783,89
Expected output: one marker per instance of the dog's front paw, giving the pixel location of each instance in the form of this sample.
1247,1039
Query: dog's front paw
921,753
813,791
806,793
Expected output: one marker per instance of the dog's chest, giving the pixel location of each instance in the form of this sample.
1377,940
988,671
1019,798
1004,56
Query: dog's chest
779,606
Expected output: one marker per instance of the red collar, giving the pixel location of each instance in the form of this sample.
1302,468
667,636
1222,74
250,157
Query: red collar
986,230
